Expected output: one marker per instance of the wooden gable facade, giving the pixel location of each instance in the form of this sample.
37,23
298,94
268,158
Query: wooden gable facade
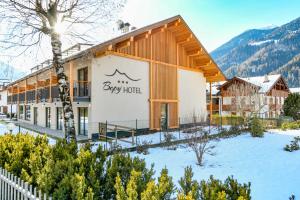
168,45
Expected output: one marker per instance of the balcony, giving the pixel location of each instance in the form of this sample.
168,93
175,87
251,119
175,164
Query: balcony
30,96
274,107
43,94
215,107
82,91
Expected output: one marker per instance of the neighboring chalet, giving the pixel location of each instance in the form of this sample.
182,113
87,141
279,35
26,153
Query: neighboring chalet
4,108
147,78
261,95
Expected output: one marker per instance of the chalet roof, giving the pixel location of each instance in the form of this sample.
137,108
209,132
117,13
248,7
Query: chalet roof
260,81
104,46
295,90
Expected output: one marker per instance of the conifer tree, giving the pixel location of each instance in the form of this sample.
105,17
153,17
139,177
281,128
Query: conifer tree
121,194
165,185
188,185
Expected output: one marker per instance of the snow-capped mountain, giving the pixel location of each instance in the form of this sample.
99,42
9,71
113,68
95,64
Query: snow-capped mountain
263,51
9,72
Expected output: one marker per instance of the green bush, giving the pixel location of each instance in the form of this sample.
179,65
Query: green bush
231,132
291,106
293,146
290,125
230,189
256,127
212,189
233,120
68,172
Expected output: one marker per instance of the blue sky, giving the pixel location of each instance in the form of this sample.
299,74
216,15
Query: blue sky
214,21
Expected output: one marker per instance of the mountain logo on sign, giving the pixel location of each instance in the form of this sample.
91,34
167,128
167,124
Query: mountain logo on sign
122,73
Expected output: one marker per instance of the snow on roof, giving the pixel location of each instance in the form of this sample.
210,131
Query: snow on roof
260,81
295,90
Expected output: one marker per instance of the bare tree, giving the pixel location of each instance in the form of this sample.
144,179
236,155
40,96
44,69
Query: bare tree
199,142
29,20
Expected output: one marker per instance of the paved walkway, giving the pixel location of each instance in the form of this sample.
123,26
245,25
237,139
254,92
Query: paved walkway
56,134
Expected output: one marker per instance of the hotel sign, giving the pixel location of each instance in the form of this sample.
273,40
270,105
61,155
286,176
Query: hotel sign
122,84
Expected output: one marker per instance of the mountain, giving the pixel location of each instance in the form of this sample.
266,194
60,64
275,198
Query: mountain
9,72
258,52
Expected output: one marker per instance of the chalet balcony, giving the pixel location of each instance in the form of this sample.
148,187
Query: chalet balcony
215,107
82,91
275,106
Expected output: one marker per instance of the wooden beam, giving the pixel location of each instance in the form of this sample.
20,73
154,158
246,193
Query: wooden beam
71,79
211,104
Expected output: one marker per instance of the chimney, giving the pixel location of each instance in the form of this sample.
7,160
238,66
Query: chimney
123,27
266,79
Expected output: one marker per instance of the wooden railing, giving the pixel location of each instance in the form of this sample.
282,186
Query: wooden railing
13,188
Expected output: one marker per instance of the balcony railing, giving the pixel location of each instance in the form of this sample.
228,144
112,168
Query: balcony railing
82,91
30,96
275,106
215,107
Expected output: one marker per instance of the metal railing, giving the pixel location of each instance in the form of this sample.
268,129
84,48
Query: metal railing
13,188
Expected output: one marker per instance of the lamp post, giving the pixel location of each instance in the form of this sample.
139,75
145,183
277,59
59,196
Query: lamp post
10,126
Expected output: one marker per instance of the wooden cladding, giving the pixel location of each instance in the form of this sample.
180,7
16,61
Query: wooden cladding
164,82
164,48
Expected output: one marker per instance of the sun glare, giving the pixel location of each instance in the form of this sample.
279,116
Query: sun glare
60,27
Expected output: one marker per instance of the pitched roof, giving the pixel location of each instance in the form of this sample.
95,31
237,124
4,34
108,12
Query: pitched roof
260,81
102,47
295,90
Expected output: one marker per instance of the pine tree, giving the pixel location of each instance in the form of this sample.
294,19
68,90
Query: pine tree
151,192
132,185
257,129
121,195
188,185
165,185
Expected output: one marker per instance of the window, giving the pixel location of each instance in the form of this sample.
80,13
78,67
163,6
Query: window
59,119
83,121
21,112
27,112
83,82
48,117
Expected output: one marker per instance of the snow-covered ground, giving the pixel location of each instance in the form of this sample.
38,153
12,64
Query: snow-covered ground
3,130
273,172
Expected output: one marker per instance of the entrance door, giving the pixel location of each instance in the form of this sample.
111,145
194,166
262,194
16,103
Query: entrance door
83,121
35,115
164,116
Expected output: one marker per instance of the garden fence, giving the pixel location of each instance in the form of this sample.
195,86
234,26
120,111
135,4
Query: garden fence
13,188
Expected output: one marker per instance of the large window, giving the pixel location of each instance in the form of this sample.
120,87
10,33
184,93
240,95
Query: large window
59,119
21,112
83,82
48,117
27,112
83,121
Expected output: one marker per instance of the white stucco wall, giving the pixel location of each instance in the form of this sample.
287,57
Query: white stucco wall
125,103
192,95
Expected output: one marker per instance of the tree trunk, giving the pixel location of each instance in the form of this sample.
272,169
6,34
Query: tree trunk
63,87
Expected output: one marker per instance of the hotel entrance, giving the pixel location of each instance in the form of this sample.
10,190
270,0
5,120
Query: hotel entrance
83,121
164,116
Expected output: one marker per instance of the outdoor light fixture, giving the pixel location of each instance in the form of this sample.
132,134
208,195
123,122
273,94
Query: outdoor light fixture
10,127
